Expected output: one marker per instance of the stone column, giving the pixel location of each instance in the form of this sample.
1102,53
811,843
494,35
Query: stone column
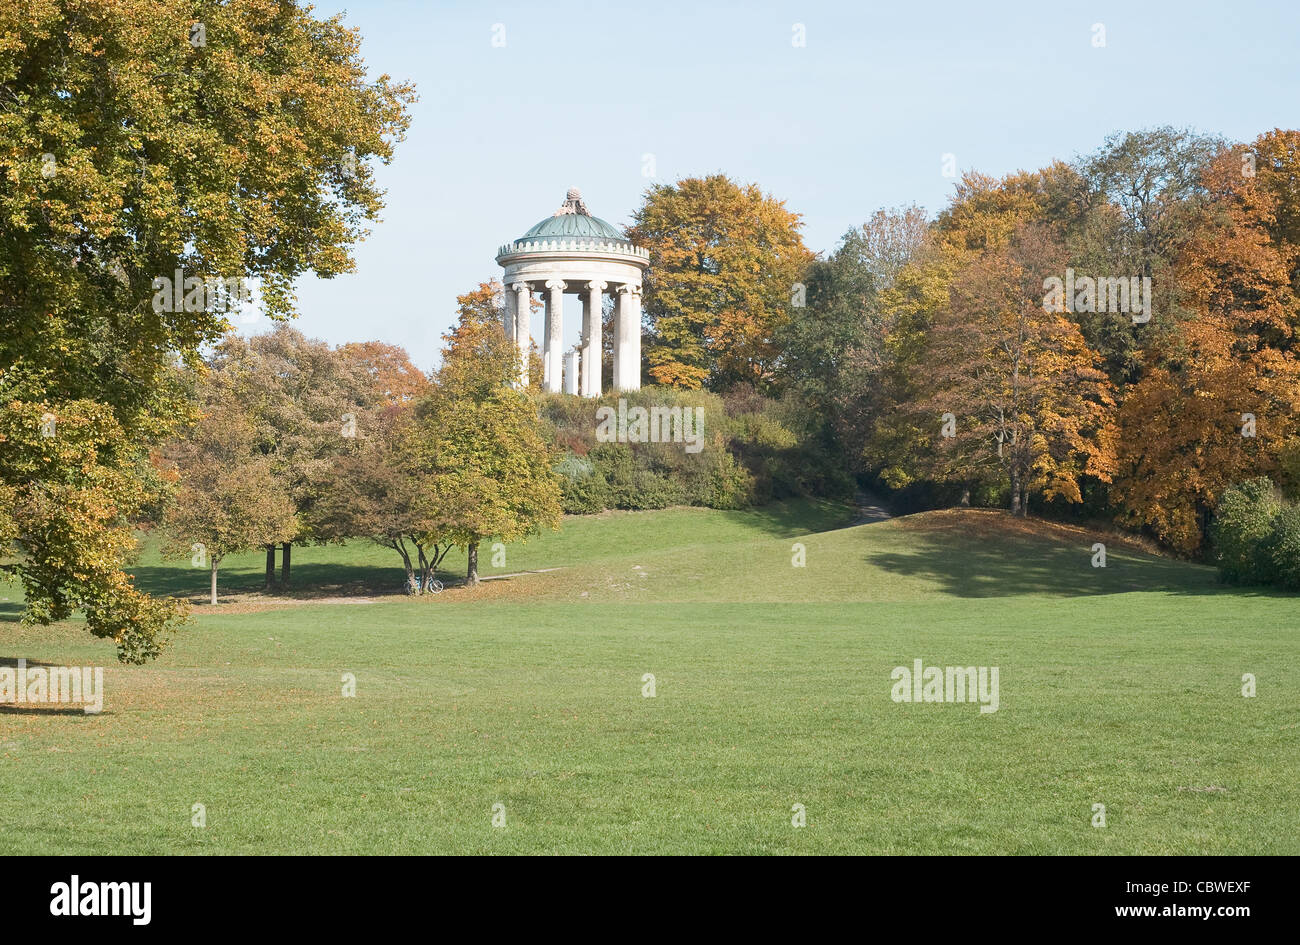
627,339
572,361
554,334
585,326
591,340
546,341
523,314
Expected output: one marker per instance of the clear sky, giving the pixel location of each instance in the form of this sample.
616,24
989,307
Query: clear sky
858,118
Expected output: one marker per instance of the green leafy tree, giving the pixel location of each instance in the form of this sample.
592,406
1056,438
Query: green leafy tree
832,347
1132,207
1284,547
479,442
1242,525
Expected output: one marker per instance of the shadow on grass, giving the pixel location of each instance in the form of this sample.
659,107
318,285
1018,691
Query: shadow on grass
1006,566
792,518
308,580
7,709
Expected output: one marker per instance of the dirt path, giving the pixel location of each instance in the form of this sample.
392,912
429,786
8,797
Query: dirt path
870,508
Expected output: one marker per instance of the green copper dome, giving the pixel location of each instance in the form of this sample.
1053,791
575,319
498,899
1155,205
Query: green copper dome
572,221
575,225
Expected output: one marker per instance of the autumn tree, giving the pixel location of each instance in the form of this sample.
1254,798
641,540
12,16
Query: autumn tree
1219,400
139,138
898,442
71,484
897,435
477,357
1010,383
310,405
229,498
394,379
381,492
374,491
724,262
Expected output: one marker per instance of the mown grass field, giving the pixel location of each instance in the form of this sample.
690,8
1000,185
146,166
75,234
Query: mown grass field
1119,686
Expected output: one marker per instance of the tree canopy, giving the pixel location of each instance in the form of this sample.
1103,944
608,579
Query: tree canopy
725,259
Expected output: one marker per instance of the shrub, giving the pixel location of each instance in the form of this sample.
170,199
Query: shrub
730,486
1243,525
753,449
1283,547
583,487
1288,462
653,491
615,464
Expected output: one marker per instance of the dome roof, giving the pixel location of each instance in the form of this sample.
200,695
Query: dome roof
573,220
575,224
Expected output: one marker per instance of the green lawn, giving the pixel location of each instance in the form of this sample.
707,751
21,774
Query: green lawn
1119,686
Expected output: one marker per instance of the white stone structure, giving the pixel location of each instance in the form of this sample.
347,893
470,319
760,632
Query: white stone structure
571,362
573,252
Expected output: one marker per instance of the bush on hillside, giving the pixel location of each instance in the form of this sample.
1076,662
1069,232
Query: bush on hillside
583,487
749,451
1283,548
1242,529
730,484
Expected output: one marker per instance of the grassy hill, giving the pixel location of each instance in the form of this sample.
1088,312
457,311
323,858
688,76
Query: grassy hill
1119,686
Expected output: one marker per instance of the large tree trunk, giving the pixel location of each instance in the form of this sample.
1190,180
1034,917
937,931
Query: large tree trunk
471,575
412,587
965,496
284,563
270,566
214,581
1016,510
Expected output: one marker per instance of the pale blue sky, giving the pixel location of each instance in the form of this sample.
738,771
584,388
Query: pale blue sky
857,119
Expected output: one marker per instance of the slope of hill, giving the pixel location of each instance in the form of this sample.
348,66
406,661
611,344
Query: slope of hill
968,553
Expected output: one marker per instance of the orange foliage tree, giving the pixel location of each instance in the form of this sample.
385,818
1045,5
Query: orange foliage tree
1220,398
1022,386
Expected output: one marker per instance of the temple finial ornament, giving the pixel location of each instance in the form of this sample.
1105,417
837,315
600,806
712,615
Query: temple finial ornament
572,204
